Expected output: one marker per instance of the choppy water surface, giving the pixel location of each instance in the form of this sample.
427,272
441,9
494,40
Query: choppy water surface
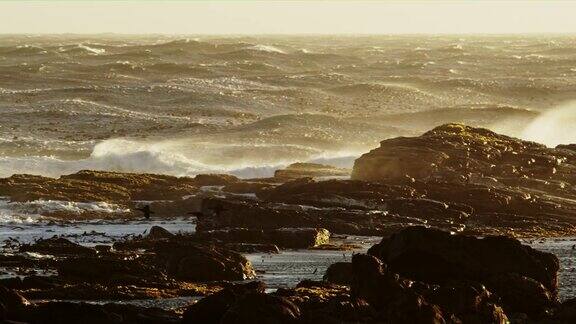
247,105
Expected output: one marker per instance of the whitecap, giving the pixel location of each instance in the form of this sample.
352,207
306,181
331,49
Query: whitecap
266,48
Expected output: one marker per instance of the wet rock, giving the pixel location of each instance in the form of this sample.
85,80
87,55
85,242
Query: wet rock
65,313
391,296
467,301
110,271
253,248
337,193
201,262
159,233
324,302
520,294
339,273
309,170
293,238
234,213
11,303
57,246
212,308
436,256
262,308
566,313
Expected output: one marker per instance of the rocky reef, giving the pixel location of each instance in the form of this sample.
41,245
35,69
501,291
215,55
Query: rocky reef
448,205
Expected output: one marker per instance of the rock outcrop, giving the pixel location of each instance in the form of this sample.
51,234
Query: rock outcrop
438,257
309,170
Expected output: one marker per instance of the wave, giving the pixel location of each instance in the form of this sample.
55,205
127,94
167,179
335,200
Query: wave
79,49
554,126
182,157
266,48
33,211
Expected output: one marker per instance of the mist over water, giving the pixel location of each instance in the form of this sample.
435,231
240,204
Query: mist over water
249,105
553,127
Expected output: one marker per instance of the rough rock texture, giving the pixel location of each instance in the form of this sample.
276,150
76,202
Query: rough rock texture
398,300
97,186
292,238
57,246
212,308
235,213
339,273
312,170
504,185
202,262
436,256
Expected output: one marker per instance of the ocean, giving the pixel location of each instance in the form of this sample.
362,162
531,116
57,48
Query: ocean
249,105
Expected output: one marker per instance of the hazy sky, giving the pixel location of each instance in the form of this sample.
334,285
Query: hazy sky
281,17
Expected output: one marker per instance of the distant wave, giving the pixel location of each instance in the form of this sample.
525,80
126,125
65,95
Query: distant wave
266,48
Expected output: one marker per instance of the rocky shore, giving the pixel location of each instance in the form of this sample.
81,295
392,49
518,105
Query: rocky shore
448,204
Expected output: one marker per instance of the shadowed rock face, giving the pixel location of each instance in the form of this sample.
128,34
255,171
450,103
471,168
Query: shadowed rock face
436,256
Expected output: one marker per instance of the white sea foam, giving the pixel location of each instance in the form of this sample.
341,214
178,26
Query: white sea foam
177,157
266,48
553,127
32,211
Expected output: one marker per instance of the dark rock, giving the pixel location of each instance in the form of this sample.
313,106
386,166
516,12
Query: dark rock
390,295
294,238
253,248
57,246
11,303
520,294
110,270
212,308
261,308
65,313
202,262
468,301
436,256
159,233
339,273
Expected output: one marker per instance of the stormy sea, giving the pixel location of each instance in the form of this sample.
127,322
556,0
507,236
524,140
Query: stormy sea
200,128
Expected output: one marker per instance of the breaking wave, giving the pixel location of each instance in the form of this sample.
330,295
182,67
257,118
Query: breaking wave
33,211
553,127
